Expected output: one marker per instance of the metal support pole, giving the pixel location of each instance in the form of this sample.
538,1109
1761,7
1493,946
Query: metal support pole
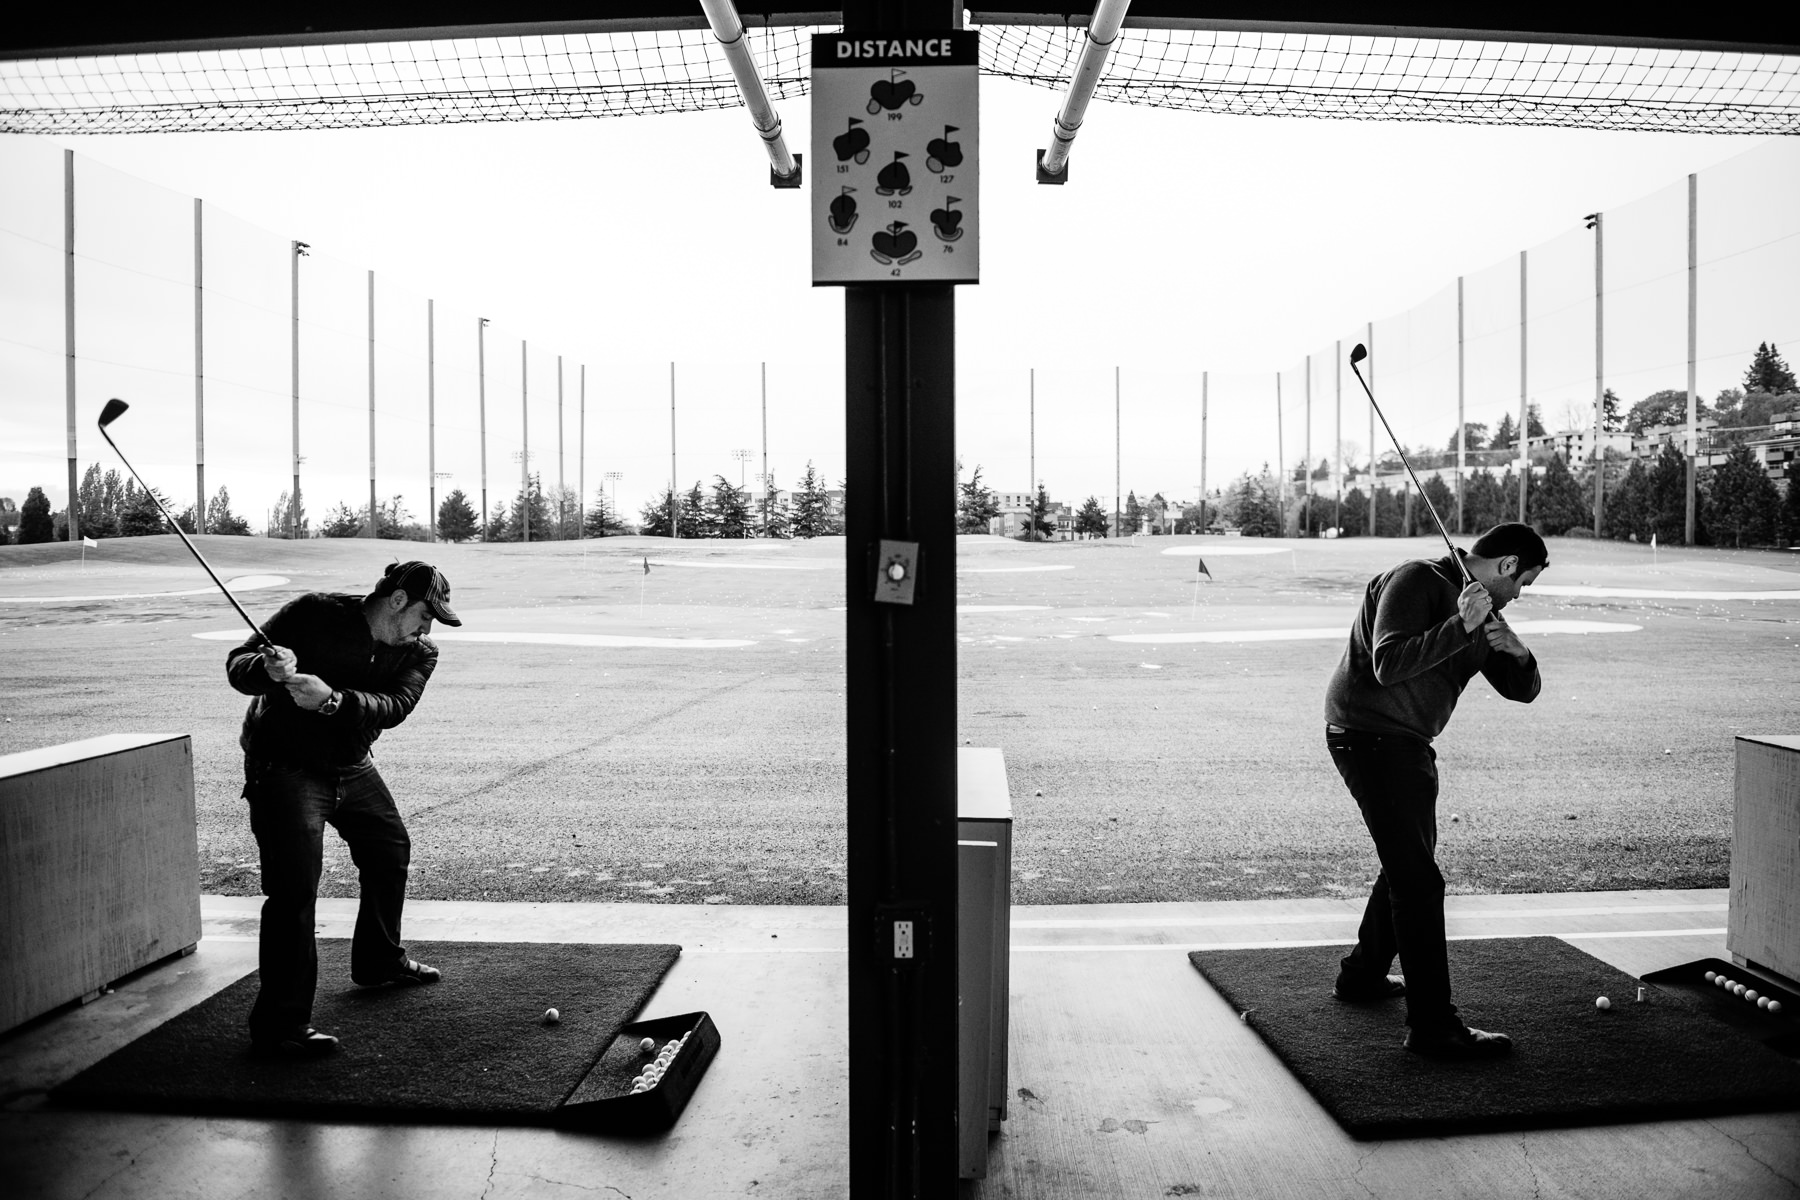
562,488
581,461
431,533
1102,34
1693,339
1599,367
674,498
1031,513
297,252
481,324
525,443
768,486
1203,391
728,29
1524,393
374,511
900,720
1118,453
1337,458
1281,471
199,370
1374,490
1306,467
1462,428
74,507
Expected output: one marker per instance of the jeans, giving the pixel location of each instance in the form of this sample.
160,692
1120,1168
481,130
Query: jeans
289,809
1395,782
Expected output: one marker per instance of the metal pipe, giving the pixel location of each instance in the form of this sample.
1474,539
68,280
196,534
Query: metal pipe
729,30
1103,31
1693,346
199,371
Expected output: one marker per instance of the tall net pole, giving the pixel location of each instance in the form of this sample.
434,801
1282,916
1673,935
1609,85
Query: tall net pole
373,511
199,373
1524,395
1599,366
1462,449
69,334
1693,348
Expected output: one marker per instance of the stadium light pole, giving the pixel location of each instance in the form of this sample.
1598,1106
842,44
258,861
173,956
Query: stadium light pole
1596,222
481,324
297,251
199,377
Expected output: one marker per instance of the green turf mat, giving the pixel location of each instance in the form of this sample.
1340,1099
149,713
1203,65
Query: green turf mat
1571,1063
473,1047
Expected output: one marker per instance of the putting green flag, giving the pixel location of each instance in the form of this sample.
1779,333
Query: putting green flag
1201,564
646,564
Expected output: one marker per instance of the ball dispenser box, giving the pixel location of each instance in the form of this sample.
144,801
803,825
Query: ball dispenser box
603,1101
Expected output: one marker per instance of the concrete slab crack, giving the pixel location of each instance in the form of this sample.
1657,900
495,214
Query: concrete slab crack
1362,1160
1537,1185
493,1165
1751,1155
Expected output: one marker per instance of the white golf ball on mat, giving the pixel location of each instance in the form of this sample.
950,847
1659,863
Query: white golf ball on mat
647,1045
1774,1006
1603,1004
551,1016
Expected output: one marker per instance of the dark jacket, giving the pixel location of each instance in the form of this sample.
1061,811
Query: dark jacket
1409,656
330,638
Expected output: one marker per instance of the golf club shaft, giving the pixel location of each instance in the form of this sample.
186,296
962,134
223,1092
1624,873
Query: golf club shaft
1451,546
184,538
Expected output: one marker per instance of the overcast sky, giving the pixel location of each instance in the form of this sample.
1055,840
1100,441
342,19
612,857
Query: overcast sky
1182,243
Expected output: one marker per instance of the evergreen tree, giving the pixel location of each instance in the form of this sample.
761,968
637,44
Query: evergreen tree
695,521
394,521
976,505
811,510
1628,506
1037,518
656,516
1555,501
1091,519
1506,434
1250,504
98,501
601,520
1484,503
1741,500
1665,497
1768,373
220,518
1355,514
1611,420
1534,425
139,515
771,520
1442,499
1509,497
456,520
35,524
496,528
1475,436
529,516
728,511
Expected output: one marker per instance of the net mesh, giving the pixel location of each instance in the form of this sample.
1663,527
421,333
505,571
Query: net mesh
552,77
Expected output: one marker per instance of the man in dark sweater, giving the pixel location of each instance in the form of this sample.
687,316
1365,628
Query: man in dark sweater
1421,636
336,671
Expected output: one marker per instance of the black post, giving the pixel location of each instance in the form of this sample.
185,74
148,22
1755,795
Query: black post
900,409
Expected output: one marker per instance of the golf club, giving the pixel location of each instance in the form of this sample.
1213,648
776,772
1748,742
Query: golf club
1357,354
115,408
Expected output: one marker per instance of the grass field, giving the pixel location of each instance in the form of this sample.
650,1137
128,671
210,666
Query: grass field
1163,768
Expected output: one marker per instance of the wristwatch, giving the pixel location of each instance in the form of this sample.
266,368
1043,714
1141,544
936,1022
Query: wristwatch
330,707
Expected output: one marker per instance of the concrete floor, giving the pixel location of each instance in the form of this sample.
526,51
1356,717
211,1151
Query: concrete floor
1130,1076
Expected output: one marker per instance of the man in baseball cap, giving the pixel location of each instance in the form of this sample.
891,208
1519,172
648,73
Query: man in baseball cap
335,671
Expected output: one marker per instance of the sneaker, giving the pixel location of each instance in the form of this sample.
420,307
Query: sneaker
1458,1041
1354,991
305,1042
412,973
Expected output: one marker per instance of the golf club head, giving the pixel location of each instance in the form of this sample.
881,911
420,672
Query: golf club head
115,408
1358,353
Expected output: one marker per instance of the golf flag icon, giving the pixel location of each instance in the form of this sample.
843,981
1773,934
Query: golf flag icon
646,564
87,541
1200,563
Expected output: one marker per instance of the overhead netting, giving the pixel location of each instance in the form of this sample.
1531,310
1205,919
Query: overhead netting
562,76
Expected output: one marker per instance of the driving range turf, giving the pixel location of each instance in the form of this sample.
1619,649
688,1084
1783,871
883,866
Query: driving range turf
1168,769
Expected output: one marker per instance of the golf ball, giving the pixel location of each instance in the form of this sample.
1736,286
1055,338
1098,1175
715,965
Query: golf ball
1774,1006
1711,975
1603,1004
1752,995
551,1016
647,1045
1738,989
1762,1002
672,1047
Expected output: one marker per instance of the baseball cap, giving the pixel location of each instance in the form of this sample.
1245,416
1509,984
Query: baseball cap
422,581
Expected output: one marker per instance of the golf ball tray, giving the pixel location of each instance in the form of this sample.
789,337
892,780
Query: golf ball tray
1765,1008
633,1090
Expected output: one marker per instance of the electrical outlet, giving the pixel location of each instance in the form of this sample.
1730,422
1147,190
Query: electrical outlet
903,939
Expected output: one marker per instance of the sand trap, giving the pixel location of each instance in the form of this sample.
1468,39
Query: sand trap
243,583
1618,593
714,565
1012,570
1337,633
599,640
1225,551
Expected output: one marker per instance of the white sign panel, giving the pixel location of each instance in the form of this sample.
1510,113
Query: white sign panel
894,148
